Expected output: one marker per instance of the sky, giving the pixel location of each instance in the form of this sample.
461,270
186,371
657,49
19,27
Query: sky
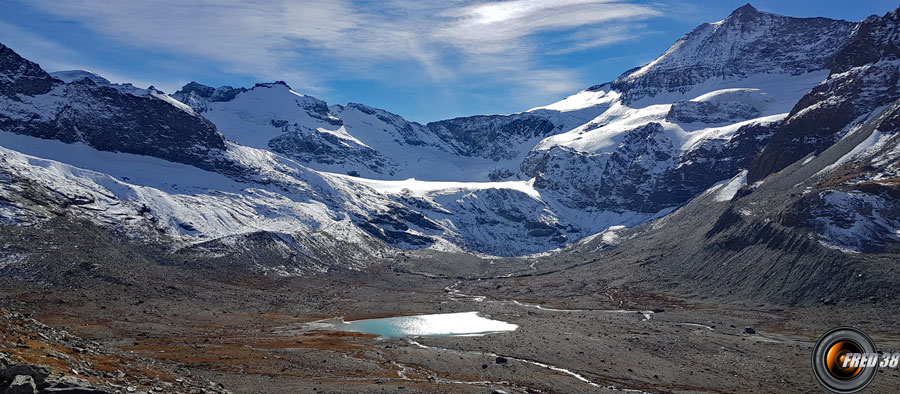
424,60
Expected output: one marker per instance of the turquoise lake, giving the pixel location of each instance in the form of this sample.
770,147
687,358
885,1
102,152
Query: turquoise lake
443,324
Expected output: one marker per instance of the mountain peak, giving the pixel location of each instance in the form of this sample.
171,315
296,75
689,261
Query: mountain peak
198,88
194,92
272,84
745,13
747,42
19,75
745,9
68,76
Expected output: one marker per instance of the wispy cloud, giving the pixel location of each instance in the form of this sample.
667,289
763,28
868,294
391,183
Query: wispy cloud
497,27
309,42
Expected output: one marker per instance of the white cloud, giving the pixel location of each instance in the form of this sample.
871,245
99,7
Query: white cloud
495,27
309,42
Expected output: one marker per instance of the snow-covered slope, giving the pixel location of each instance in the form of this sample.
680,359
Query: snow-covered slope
749,42
192,205
693,117
135,159
863,80
74,75
363,141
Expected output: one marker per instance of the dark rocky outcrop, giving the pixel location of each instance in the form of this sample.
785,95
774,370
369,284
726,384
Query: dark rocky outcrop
104,117
491,136
747,42
645,173
20,76
865,76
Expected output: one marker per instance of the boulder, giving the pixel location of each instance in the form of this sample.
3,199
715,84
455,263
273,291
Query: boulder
68,382
38,374
22,384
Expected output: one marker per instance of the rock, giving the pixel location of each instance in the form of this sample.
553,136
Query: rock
749,330
501,360
22,384
483,366
498,391
68,382
39,374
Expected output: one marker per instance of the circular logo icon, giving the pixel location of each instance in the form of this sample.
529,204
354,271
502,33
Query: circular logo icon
836,360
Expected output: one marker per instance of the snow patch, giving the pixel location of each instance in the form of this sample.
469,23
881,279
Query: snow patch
727,192
873,141
581,100
425,188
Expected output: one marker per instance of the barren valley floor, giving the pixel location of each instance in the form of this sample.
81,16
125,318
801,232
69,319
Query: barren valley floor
249,333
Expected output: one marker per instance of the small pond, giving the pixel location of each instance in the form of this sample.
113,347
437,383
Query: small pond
443,324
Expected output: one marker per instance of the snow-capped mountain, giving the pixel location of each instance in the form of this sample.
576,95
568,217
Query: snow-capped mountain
212,167
852,203
138,121
75,75
864,77
693,117
144,163
369,142
746,43
818,221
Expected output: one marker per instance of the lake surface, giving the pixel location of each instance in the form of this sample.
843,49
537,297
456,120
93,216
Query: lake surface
443,324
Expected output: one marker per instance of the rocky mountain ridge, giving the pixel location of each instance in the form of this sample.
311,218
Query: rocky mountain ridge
617,154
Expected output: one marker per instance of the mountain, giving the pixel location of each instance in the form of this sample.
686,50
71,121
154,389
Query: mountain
268,168
823,230
146,165
138,121
746,44
364,141
695,116
75,75
814,220
864,77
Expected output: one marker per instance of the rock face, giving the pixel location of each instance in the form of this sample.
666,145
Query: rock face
695,116
102,116
21,76
711,112
856,206
354,139
748,42
865,76
493,137
797,237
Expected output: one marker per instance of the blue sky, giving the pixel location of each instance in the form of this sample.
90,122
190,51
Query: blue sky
425,60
